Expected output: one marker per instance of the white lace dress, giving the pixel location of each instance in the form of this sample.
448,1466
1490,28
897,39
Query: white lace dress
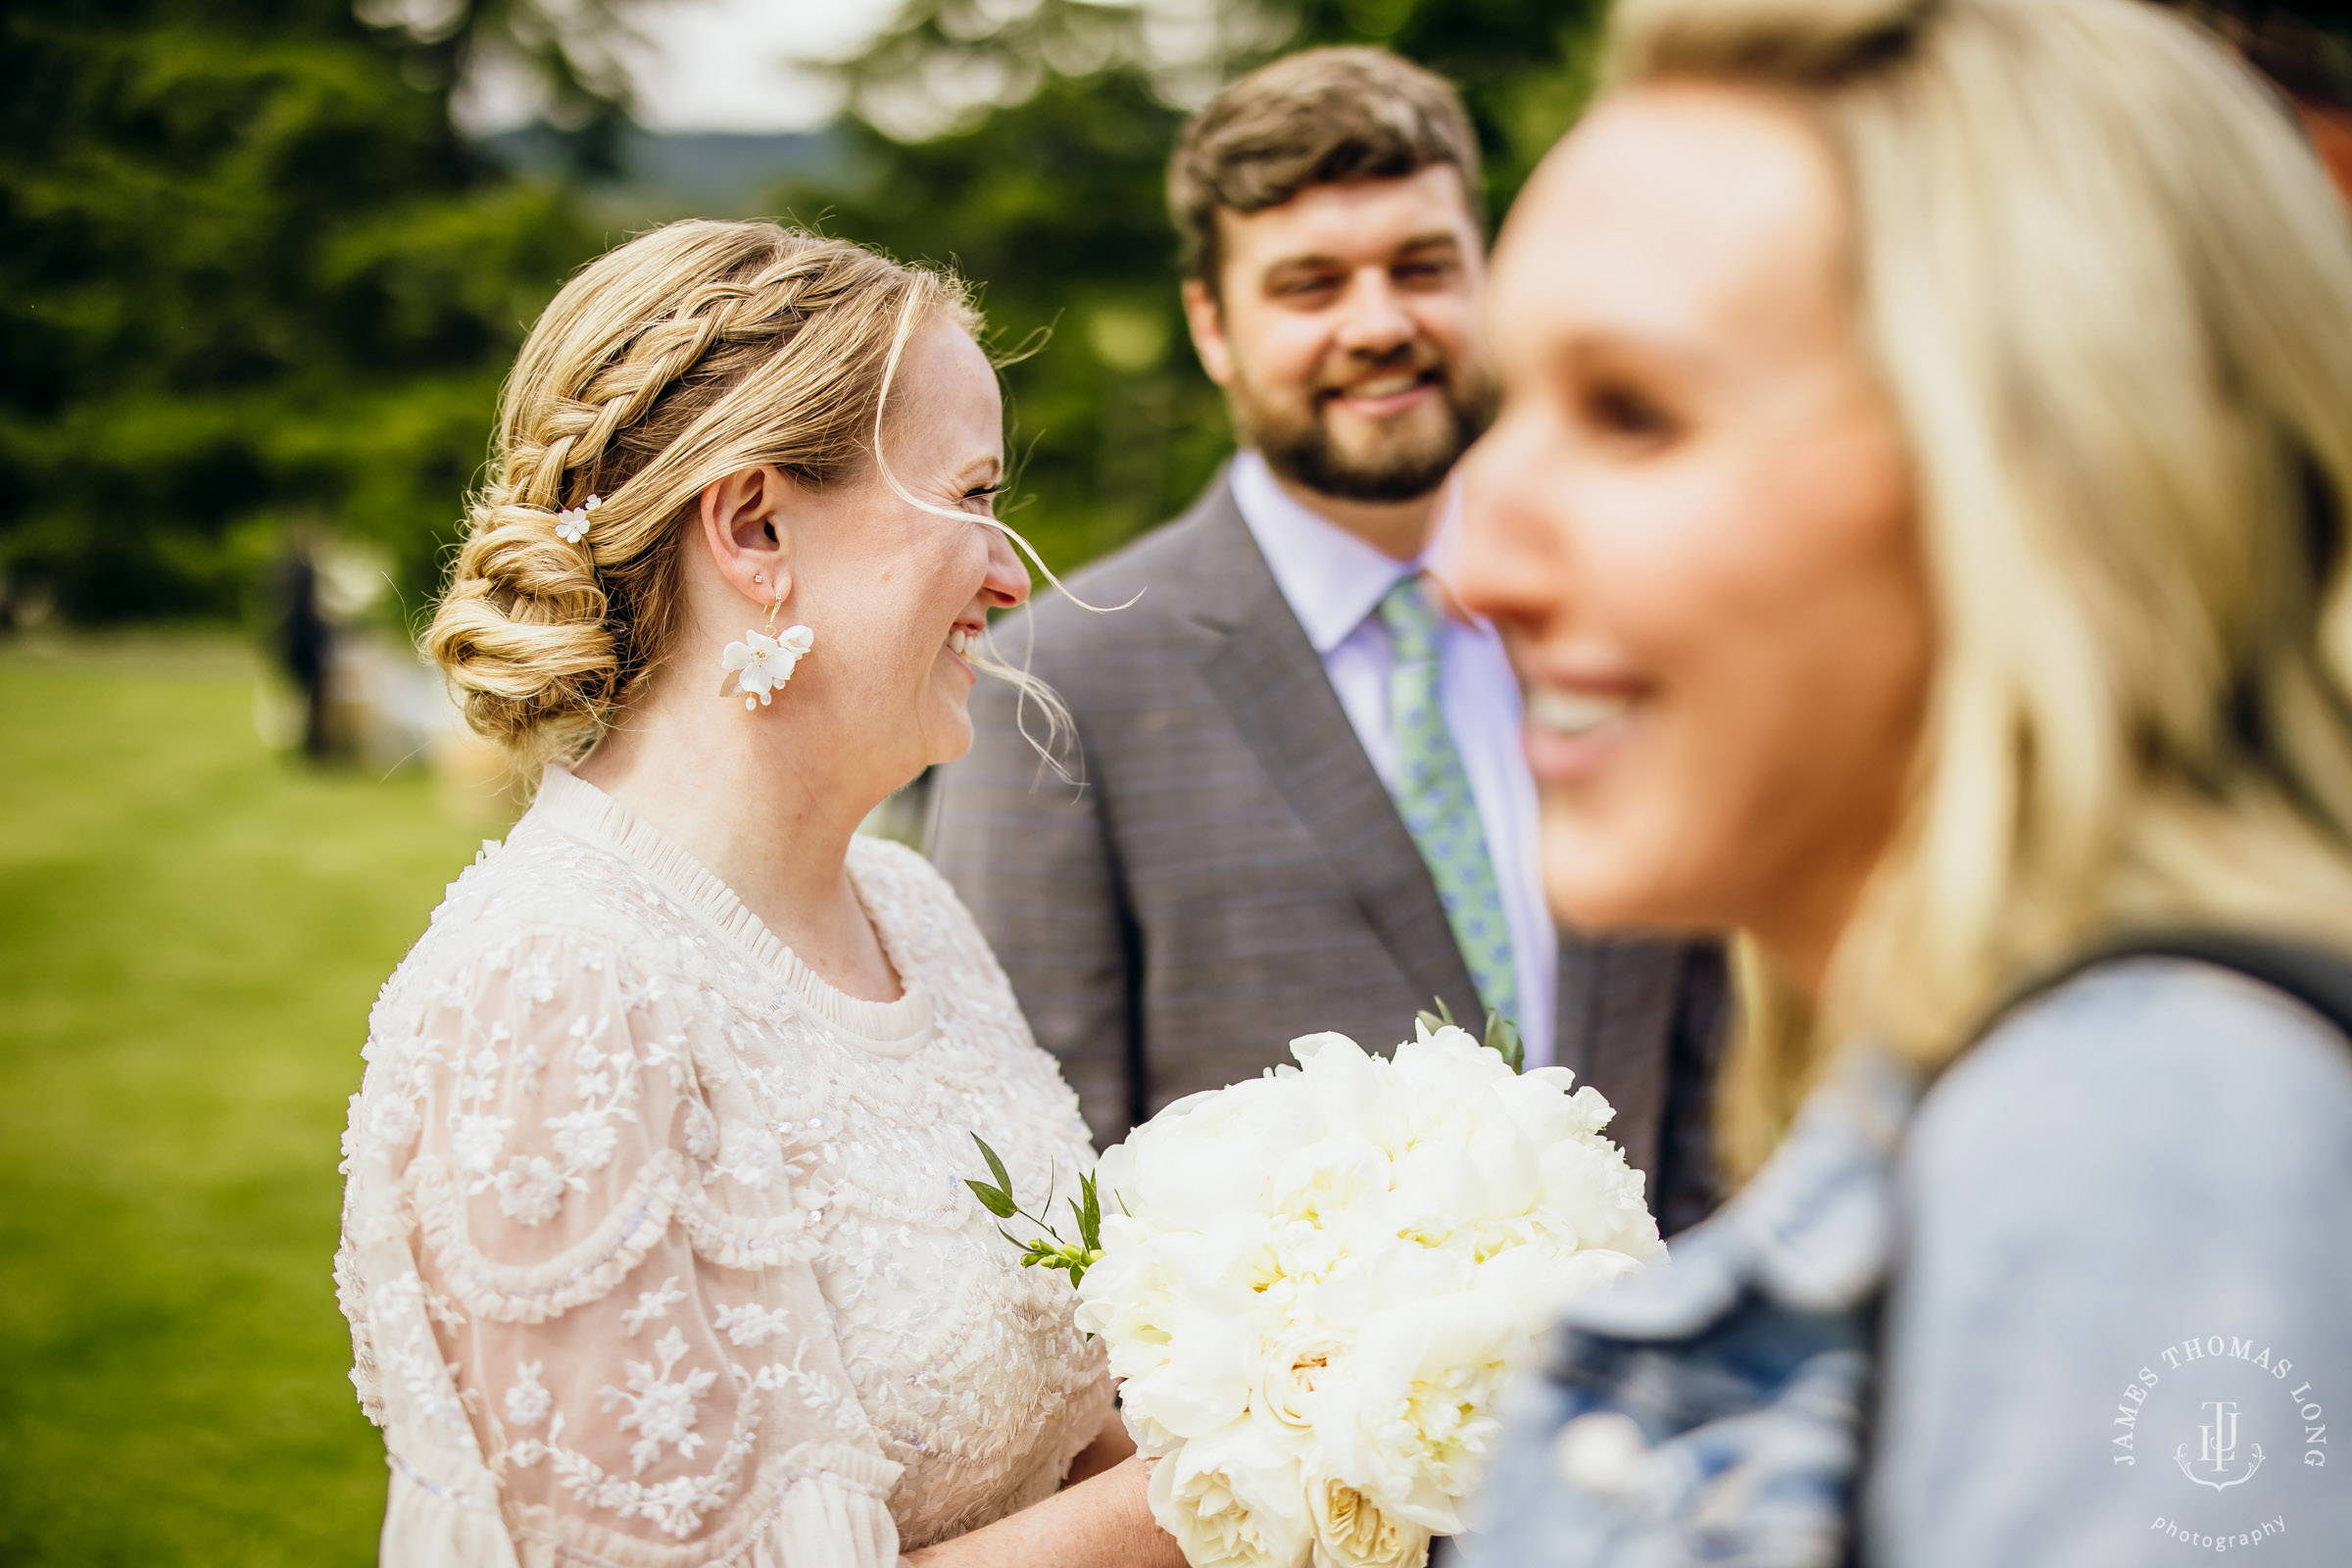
655,1246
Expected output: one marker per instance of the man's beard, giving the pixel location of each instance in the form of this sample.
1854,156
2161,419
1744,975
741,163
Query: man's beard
1405,467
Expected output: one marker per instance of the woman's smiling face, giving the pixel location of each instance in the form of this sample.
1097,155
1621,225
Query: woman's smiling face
1693,523
901,590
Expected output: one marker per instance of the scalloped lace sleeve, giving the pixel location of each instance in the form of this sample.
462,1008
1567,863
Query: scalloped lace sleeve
579,1282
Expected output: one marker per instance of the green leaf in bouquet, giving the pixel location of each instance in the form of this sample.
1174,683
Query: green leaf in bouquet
1050,1249
1502,1038
995,1199
1443,1019
996,1166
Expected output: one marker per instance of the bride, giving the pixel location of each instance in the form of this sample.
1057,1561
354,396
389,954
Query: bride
655,1246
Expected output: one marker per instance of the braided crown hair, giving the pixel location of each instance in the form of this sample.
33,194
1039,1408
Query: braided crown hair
695,351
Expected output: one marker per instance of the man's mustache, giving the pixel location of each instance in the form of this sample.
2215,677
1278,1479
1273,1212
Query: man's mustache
1409,361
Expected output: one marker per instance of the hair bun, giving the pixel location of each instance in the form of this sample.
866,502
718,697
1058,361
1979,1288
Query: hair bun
521,632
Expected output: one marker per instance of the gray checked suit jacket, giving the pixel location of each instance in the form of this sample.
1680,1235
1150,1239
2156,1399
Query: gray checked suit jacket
1230,872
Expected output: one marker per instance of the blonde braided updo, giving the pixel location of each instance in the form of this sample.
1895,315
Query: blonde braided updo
693,352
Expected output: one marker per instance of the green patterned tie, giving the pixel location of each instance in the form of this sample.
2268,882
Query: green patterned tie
1433,796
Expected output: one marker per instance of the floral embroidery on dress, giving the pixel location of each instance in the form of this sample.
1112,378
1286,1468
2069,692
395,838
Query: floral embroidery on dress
660,1409
603,1105
651,1304
750,1325
478,1141
528,1401
584,1138
530,1190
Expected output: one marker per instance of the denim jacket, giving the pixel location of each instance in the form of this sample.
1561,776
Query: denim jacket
1711,1411
1976,1326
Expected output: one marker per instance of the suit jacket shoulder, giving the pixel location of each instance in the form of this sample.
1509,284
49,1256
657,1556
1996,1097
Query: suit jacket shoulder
1227,871
1201,559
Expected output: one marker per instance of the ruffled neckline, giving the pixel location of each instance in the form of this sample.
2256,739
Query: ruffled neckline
575,806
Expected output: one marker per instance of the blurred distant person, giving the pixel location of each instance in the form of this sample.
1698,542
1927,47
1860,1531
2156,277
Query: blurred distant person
1918,512
1302,802
306,640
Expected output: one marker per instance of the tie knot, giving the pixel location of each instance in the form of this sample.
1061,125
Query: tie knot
1412,621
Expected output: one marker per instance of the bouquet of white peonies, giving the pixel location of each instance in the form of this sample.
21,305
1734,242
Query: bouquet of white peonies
1313,1285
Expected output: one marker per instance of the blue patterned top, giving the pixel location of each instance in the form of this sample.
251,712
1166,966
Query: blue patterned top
2100,1275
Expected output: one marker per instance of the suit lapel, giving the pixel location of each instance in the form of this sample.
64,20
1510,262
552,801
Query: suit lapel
1616,1012
1258,661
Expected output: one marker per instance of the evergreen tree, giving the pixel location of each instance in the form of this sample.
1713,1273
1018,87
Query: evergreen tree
249,276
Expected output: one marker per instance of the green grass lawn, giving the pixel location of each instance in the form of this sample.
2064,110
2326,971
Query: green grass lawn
191,932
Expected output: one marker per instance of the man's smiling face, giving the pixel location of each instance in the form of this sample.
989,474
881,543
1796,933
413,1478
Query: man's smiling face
1341,330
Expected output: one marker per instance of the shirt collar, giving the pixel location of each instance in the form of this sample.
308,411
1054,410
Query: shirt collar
1331,579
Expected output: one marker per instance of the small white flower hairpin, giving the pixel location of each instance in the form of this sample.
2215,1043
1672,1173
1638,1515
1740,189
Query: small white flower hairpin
767,663
572,523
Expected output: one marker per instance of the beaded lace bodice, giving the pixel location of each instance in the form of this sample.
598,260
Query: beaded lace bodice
655,1246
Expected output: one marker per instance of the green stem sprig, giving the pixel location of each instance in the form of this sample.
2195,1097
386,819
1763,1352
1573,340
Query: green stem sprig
1085,1211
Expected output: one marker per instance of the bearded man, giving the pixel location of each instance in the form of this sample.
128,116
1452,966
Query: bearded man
1300,802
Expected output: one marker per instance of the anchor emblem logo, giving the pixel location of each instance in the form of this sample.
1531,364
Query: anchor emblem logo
2216,1452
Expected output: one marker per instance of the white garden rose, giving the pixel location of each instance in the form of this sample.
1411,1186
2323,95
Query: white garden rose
1234,1499
1352,1530
1295,1366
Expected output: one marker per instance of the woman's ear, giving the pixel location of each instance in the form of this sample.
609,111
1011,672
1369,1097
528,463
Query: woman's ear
747,522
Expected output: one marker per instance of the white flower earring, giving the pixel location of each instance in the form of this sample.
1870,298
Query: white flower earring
765,661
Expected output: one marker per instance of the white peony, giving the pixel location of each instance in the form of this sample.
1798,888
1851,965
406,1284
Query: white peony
1234,1499
1207,1154
1314,1284
1410,1423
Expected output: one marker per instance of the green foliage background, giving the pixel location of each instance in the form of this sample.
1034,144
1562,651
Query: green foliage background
251,278
1052,199
248,273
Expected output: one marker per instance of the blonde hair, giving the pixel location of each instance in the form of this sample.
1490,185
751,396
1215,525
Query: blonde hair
2109,290
691,353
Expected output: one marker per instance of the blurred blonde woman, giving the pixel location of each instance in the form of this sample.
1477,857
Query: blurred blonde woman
1918,518
655,1246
